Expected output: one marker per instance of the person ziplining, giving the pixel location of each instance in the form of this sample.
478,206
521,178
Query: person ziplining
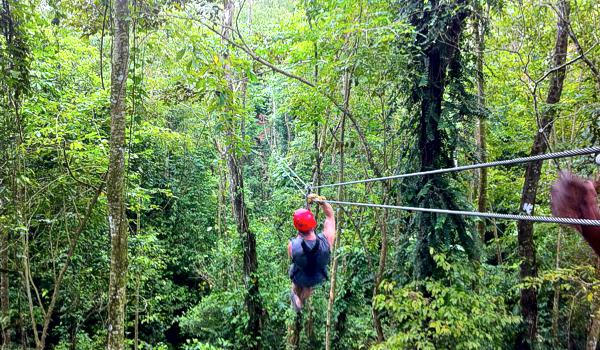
310,252
573,201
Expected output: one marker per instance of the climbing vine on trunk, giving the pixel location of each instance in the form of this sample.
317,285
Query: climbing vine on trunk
440,74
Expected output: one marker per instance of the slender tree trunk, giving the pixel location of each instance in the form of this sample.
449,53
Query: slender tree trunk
594,327
347,87
383,224
15,51
63,270
481,121
4,296
318,157
496,238
380,271
4,285
19,200
529,309
118,225
594,330
136,325
22,328
289,133
26,276
252,298
222,196
556,299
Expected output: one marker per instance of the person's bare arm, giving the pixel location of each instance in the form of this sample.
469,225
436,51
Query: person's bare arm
329,225
290,249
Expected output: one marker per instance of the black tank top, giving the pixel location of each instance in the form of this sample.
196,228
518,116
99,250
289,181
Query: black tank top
309,261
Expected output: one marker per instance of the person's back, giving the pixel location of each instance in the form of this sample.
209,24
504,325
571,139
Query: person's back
310,259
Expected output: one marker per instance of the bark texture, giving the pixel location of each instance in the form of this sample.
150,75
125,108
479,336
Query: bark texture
115,187
528,301
252,298
594,327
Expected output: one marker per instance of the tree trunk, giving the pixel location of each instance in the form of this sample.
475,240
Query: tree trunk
383,224
21,327
4,301
4,285
437,57
222,196
347,87
15,52
379,275
556,299
115,188
63,270
529,309
594,327
27,283
252,298
481,121
136,324
594,330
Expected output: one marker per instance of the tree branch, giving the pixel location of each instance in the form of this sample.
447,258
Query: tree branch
71,251
70,171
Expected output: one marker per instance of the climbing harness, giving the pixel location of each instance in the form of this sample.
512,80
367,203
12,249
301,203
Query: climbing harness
521,217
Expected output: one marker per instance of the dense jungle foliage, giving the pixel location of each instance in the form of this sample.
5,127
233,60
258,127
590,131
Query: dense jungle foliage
152,153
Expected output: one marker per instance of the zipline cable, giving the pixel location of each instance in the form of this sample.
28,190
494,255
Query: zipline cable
547,219
555,155
296,175
291,176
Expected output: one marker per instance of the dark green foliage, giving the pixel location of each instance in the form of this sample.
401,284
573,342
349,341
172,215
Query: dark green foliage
441,105
413,107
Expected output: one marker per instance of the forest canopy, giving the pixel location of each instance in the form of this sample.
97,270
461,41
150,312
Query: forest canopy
152,154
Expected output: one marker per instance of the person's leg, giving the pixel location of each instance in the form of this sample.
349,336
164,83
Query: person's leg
303,293
297,302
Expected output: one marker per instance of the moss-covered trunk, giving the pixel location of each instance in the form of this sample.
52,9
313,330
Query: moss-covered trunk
436,56
115,185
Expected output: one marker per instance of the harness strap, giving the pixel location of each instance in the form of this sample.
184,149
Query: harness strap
311,255
308,251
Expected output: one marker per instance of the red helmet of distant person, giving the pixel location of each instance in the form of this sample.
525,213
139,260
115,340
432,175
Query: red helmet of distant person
304,220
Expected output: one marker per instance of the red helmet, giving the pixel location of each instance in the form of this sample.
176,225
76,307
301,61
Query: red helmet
304,220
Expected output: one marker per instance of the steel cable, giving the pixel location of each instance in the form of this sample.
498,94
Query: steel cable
555,155
547,219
